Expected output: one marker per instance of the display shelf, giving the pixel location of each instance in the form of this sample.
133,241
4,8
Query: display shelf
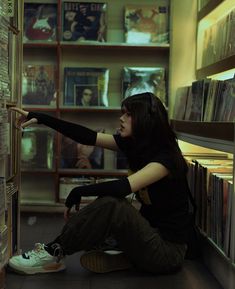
209,20
42,207
216,247
99,46
10,88
211,136
114,55
221,137
90,109
38,171
218,67
212,130
39,108
215,9
41,45
208,8
106,173
115,46
75,172
219,264
207,143
11,178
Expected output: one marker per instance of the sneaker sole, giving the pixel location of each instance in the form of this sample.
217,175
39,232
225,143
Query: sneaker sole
51,268
101,262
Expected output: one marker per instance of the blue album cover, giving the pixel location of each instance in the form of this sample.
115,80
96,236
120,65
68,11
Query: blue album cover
84,21
85,86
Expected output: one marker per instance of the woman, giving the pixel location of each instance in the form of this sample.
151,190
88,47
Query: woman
152,239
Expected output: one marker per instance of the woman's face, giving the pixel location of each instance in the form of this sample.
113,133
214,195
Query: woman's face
125,129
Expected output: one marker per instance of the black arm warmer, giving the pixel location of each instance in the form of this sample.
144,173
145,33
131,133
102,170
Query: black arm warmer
74,131
118,188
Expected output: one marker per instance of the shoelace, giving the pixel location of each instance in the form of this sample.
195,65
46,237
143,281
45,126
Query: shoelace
37,251
58,251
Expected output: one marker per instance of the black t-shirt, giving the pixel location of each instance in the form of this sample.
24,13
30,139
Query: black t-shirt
164,203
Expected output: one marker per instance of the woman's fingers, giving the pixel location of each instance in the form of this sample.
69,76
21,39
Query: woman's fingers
19,110
66,214
29,122
22,121
77,207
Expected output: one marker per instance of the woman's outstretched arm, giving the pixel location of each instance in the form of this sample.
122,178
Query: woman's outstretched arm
74,131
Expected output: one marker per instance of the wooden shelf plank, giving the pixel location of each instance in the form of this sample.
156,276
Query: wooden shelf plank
98,45
90,109
103,173
45,207
40,45
217,67
38,171
211,130
214,9
210,6
114,46
41,109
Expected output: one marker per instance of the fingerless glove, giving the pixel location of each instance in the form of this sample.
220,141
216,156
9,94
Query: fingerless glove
117,188
74,131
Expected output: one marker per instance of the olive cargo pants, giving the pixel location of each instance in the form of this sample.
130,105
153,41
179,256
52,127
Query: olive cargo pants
109,216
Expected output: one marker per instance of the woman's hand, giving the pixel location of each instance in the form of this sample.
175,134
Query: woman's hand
67,212
22,121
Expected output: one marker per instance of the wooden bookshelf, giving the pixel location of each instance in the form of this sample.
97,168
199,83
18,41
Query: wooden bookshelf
114,55
11,22
210,136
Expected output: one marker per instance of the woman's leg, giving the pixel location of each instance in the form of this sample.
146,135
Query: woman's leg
107,216
140,242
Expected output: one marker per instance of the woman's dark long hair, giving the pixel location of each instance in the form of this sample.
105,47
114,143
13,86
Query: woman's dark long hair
151,131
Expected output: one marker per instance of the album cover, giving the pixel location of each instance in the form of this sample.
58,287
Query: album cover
85,86
37,148
146,24
78,156
40,22
84,21
38,85
144,79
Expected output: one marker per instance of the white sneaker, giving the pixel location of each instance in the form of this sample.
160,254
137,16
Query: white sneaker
36,261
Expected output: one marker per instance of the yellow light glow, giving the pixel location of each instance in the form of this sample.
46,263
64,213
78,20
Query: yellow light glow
220,11
223,75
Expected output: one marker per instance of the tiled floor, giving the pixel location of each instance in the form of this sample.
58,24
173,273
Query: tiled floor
43,228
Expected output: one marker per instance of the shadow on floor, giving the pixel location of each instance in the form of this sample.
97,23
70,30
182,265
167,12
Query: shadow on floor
45,227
